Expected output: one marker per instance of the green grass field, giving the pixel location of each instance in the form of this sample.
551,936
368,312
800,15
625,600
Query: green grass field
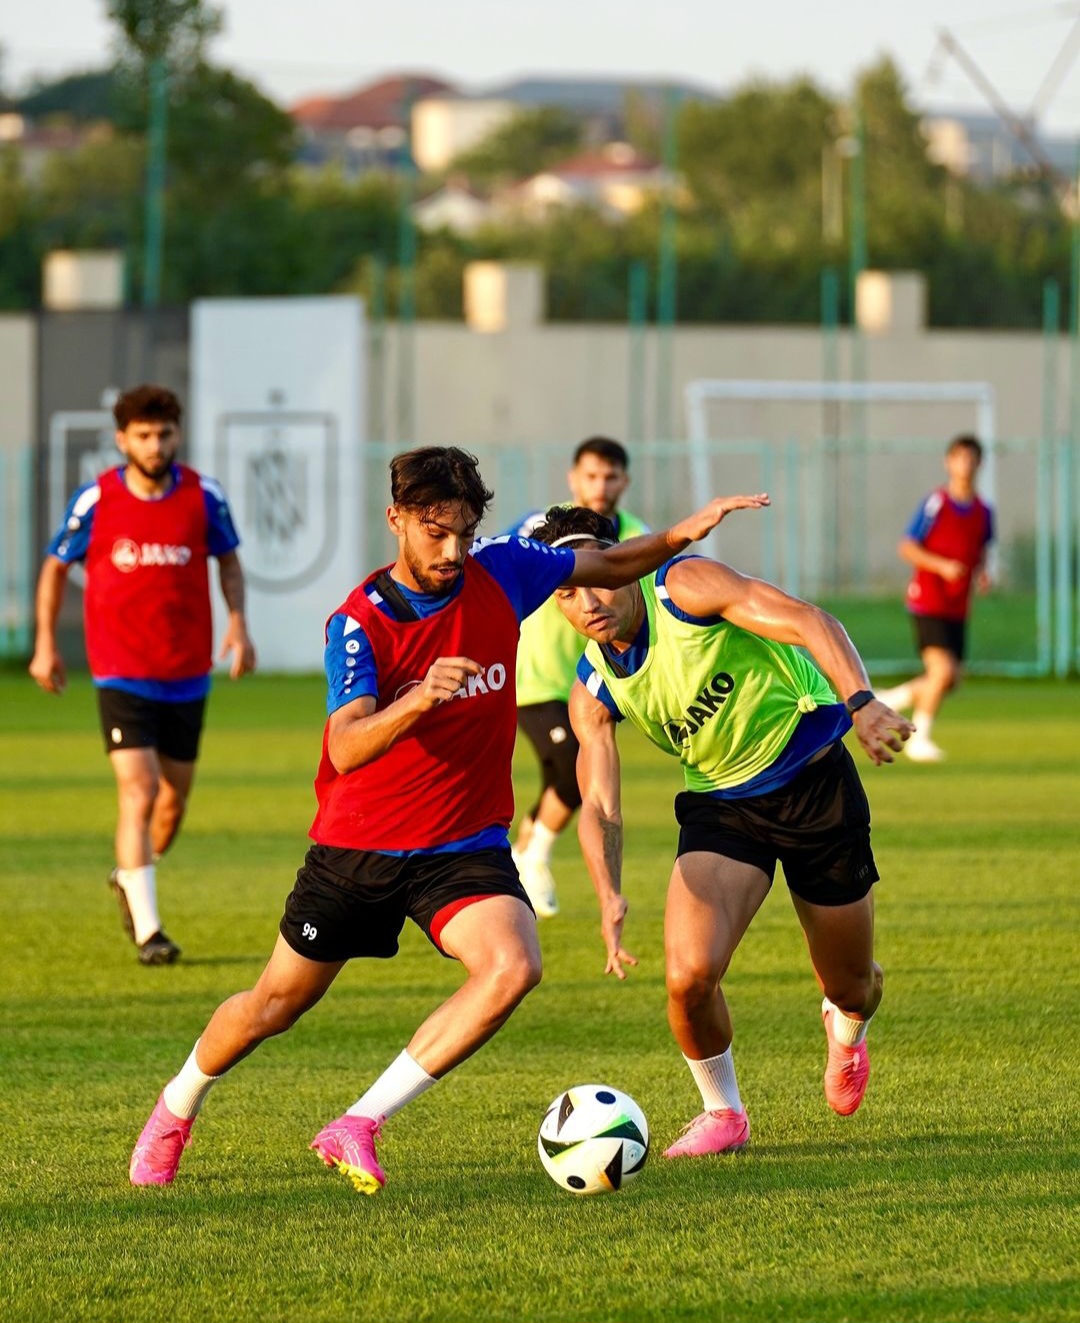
950,1196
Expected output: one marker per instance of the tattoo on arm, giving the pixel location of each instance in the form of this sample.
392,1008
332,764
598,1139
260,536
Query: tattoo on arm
611,835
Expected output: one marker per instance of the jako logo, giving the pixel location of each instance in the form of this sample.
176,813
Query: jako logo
710,700
128,555
490,680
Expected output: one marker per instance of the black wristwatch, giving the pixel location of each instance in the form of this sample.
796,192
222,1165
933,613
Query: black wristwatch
858,700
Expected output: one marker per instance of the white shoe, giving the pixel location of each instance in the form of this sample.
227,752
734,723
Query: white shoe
921,749
539,886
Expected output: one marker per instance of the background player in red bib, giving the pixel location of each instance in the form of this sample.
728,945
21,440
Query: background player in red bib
946,542
145,531
415,800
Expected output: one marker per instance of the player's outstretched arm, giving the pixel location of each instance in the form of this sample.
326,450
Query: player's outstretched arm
615,567
236,639
916,555
708,588
358,734
46,665
600,820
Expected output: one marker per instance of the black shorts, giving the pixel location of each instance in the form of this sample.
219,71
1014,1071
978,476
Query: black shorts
547,726
352,903
817,826
131,722
937,632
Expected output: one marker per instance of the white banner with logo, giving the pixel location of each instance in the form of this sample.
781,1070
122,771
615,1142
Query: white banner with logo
277,408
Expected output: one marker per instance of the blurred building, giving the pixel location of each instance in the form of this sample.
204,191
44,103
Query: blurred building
454,206
615,178
37,144
367,129
981,147
445,126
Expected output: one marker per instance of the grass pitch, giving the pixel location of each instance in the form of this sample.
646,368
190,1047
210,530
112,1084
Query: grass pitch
950,1196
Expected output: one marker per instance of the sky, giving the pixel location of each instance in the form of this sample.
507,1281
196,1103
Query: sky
293,48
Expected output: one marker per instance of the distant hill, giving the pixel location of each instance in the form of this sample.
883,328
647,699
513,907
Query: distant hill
596,96
82,97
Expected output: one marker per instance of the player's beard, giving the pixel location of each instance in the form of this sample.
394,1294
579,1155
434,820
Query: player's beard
153,470
434,584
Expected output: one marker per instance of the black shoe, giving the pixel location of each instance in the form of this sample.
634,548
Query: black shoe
122,901
158,950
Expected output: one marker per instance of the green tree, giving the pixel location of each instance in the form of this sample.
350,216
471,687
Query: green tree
81,98
755,160
176,31
522,146
20,240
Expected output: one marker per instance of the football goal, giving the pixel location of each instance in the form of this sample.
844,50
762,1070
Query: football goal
847,464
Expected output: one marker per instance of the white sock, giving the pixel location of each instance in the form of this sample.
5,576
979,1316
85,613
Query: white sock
846,1030
402,1081
899,698
540,843
924,724
140,888
185,1093
715,1077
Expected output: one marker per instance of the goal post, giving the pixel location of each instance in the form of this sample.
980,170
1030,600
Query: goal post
979,394
848,491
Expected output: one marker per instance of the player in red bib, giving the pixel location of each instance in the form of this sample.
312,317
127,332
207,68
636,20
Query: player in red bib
415,800
145,531
946,543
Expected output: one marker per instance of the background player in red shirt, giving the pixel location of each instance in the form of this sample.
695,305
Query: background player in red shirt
946,543
415,800
145,531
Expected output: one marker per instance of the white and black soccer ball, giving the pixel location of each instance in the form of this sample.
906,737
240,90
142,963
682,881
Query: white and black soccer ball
593,1139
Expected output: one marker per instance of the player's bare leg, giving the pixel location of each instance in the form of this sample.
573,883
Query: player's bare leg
138,782
288,986
170,803
711,902
941,674
840,939
532,851
495,940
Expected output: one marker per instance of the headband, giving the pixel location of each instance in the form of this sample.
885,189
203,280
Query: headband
583,537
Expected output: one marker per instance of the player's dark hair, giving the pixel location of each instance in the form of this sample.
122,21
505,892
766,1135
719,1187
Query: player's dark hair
574,521
424,479
146,404
966,441
603,448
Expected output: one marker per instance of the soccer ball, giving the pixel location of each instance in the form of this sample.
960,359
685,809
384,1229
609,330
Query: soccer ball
593,1139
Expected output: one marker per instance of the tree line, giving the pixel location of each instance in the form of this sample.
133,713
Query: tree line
766,201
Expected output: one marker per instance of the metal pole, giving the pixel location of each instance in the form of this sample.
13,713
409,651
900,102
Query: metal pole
637,314
1063,648
155,182
1044,505
825,452
377,313
406,398
667,280
856,542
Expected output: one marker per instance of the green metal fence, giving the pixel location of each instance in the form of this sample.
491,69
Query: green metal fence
815,540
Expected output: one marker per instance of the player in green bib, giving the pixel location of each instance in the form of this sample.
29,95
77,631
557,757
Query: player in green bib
548,653
710,665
